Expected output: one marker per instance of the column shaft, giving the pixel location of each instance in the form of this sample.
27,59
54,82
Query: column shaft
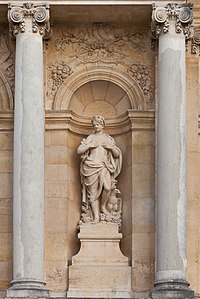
28,213
171,24
27,23
171,162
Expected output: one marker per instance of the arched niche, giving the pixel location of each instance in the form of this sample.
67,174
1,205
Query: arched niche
114,94
6,97
129,88
102,97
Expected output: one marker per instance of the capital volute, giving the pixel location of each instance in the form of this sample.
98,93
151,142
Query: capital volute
195,45
180,14
29,17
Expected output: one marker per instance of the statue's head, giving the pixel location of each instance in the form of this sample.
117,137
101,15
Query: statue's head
98,119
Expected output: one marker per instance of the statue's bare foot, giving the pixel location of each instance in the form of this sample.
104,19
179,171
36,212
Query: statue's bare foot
104,211
95,221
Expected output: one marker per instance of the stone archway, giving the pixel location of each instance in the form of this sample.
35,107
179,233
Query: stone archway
100,97
113,93
109,74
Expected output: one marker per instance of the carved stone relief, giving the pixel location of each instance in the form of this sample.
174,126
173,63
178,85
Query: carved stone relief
100,43
6,69
142,75
59,72
39,14
195,46
79,47
180,13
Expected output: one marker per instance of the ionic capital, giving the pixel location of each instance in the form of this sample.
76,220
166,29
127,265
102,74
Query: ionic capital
180,14
195,47
29,17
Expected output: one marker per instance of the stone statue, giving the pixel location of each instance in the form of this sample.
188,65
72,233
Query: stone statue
101,162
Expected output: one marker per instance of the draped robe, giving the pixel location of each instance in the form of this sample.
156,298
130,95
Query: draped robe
96,168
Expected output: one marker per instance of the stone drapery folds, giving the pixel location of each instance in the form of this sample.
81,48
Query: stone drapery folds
101,164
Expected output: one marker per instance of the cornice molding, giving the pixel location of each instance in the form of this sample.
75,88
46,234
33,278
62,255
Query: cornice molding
7,121
68,120
97,2
81,125
142,120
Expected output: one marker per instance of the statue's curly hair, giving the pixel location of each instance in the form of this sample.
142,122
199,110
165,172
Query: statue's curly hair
98,118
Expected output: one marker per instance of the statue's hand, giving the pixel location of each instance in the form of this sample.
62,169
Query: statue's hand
107,146
92,145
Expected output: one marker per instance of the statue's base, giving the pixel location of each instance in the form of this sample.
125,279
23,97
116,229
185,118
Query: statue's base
99,270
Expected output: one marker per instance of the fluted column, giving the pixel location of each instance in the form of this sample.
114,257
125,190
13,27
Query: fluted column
28,23
171,24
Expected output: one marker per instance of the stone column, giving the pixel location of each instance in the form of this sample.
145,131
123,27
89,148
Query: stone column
171,24
29,23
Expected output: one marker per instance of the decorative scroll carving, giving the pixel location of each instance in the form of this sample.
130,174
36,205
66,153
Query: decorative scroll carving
101,162
60,70
195,47
180,13
141,74
19,16
100,43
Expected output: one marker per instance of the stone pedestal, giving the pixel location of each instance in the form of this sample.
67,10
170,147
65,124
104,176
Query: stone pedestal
99,270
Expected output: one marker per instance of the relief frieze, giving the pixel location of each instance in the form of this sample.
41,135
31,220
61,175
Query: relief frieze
100,42
142,75
60,70
7,57
78,47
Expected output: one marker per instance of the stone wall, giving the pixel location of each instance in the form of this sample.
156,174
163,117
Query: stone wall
109,69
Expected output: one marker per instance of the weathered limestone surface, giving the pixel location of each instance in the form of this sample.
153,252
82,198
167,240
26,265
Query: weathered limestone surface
110,72
99,270
171,262
193,175
28,164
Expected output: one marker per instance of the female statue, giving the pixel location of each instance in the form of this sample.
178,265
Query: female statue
101,163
